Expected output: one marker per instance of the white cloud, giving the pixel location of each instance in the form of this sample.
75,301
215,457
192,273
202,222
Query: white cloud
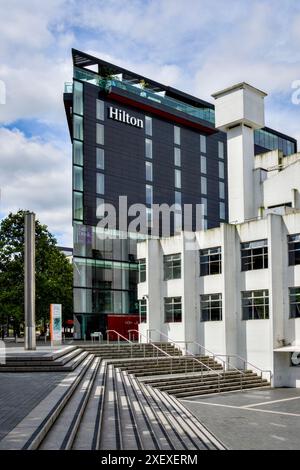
199,46
36,176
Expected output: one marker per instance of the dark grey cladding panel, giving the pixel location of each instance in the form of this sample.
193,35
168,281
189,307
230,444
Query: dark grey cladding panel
125,160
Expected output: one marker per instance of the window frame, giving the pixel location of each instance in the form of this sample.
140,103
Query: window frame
251,298
174,304
254,257
210,253
172,266
213,302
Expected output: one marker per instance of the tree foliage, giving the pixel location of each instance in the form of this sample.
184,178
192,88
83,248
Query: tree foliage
53,272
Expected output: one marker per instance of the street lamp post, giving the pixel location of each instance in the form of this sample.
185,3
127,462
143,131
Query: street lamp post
29,278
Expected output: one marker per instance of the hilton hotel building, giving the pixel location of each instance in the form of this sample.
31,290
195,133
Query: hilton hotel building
135,137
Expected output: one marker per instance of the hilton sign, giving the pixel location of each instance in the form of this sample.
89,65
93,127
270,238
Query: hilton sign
122,116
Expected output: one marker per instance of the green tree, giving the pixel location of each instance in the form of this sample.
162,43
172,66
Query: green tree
54,273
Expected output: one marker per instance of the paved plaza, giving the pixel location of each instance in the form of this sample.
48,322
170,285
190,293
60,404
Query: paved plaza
20,393
259,419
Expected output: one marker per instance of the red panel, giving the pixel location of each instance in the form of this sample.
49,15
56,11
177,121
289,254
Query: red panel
122,324
164,114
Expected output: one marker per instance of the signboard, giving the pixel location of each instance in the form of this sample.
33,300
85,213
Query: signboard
55,323
122,116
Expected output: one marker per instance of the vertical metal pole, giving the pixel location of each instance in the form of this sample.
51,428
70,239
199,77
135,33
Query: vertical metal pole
29,278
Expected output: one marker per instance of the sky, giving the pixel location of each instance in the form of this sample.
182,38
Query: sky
198,46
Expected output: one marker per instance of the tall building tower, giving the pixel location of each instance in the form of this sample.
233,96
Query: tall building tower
135,137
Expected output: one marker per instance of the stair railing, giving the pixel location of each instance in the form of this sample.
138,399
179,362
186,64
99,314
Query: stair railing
154,346
252,366
187,358
225,364
119,336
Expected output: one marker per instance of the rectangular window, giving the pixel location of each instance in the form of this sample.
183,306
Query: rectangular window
202,143
99,158
177,156
143,310
178,198
148,143
294,295
221,170
100,208
211,261
204,204
99,134
149,195
100,110
78,178
221,150
221,190
203,164
149,217
142,270
148,125
100,183
178,179
176,135
178,221
294,249
77,152
172,266
255,305
77,127
78,206
149,176
203,185
254,255
78,98
222,210
173,310
211,307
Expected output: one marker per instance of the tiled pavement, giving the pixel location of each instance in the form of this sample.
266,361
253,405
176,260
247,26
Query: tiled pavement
20,393
265,419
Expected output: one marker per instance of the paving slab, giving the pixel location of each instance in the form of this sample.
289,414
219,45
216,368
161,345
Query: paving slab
252,420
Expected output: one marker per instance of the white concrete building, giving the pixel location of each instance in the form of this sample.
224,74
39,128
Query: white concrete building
237,292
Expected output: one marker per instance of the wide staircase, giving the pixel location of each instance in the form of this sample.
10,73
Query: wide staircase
102,407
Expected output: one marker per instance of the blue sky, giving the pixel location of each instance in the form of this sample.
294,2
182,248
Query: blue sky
199,46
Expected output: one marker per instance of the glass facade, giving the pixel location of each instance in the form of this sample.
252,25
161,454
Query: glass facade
271,141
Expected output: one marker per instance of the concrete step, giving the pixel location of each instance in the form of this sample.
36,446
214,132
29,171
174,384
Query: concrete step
187,379
111,433
209,384
63,431
31,431
206,437
65,363
196,392
88,433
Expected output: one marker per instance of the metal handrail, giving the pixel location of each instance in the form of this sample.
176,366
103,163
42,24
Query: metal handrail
242,374
152,344
252,365
118,334
219,356
176,357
